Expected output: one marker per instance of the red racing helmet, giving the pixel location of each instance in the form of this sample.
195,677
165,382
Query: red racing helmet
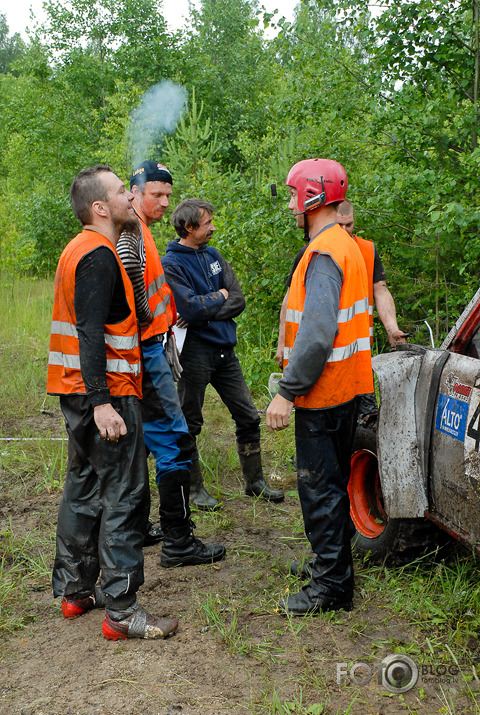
318,182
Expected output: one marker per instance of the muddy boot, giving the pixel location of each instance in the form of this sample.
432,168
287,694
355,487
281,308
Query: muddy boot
139,624
302,569
199,497
309,601
182,548
251,463
153,535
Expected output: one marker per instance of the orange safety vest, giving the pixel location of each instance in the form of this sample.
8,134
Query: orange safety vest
348,370
124,365
367,250
159,296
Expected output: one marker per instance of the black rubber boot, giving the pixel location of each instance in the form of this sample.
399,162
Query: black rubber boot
174,490
154,534
302,569
199,497
310,601
182,548
251,463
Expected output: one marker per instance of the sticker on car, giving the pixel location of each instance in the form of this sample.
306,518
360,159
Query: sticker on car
451,417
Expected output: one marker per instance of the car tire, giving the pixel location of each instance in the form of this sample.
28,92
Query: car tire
377,537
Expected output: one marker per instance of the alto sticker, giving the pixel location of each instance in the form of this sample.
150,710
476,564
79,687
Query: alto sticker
451,417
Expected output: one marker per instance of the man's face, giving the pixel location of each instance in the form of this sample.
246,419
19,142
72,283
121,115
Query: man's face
346,222
201,235
154,200
119,201
293,206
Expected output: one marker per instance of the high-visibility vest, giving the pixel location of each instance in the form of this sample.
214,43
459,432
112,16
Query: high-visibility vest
348,370
124,366
159,296
367,250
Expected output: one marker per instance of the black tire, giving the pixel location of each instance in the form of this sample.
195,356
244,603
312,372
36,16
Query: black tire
378,537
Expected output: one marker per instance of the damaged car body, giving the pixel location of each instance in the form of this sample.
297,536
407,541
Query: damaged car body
416,465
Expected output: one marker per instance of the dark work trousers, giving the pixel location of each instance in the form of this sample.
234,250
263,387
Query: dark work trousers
103,511
324,440
205,363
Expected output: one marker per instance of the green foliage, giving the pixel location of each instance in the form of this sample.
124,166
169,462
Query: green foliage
11,47
393,97
194,142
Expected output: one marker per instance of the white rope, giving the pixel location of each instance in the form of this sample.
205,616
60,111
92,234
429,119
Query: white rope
32,439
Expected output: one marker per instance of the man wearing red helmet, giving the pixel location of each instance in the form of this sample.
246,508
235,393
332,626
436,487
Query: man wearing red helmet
327,365
379,295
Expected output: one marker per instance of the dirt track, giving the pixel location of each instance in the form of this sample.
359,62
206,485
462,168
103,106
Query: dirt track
233,651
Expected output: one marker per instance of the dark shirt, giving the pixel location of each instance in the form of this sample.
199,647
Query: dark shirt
99,300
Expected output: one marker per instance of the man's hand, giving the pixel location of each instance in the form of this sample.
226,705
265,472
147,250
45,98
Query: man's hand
395,337
181,322
278,413
224,292
110,424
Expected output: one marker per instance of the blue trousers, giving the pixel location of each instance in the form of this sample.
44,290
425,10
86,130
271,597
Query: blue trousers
164,426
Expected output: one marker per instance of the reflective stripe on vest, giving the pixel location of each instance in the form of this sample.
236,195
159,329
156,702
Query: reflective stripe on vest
155,285
122,348
118,342
159,296
348,369
72,362
341,353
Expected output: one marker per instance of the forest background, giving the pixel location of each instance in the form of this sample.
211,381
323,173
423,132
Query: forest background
392,96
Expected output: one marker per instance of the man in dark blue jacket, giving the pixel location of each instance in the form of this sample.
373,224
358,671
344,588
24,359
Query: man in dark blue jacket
208,297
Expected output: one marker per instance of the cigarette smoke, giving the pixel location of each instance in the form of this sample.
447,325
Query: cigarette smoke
161,108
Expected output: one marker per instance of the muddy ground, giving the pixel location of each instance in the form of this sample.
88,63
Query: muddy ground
233,651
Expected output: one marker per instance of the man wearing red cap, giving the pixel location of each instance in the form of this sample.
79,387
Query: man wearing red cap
327,365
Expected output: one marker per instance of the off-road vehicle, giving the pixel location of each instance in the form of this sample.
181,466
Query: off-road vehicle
416,465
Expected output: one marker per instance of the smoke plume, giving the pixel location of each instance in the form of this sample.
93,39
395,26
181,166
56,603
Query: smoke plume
161,108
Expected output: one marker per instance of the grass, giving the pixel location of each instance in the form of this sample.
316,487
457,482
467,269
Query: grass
434,607
25,568
26,314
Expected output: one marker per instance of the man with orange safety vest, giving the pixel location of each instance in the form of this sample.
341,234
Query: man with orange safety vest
379,295
327,365
165,429
95,367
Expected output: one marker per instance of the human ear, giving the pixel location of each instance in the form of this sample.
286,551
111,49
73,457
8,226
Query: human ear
99,208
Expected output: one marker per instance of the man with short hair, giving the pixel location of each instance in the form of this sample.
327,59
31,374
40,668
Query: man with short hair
208,297
95,367
165,429
327,365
